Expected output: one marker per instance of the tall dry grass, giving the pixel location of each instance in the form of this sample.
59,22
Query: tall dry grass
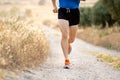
22,45
108,37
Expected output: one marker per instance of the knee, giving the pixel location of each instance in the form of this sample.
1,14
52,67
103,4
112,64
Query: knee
64,36
71,40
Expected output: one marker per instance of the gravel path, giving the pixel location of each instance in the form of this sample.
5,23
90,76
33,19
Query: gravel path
83,66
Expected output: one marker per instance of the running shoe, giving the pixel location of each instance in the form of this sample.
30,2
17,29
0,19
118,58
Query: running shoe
67,64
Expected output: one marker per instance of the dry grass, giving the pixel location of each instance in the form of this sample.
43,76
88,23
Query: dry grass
113,61
112,39
22,45
108,38
87,35
1,74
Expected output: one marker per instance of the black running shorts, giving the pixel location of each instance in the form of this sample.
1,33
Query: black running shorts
72,15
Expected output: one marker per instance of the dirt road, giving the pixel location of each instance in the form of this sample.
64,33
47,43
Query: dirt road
83,66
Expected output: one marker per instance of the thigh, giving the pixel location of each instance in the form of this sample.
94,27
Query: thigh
64,26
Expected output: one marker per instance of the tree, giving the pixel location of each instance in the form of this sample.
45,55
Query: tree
101,15
113,7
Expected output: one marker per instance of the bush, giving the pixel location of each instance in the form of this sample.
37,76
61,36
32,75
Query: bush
21,45
85,16
101,15
114,7
97,15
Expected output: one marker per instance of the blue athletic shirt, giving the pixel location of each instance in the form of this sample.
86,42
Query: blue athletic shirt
72,4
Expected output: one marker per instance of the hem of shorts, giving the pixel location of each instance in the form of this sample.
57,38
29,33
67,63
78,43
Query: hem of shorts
62,18
73,24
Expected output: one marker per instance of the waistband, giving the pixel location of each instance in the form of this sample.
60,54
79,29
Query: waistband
68,10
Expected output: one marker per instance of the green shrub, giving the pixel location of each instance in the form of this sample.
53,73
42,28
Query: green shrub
85,16
101,15
113,7
97,15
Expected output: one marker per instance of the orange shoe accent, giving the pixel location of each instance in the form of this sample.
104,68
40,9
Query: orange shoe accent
67,62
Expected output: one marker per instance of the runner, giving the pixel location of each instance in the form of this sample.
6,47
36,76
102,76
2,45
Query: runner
68,18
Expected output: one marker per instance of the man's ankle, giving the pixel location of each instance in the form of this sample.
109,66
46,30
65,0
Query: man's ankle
67,61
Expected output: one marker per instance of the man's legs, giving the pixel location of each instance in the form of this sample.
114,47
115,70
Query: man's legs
72,33
67,32
64,27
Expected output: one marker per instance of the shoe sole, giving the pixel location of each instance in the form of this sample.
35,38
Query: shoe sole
66,67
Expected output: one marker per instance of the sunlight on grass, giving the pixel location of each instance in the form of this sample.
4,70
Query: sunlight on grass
111,60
